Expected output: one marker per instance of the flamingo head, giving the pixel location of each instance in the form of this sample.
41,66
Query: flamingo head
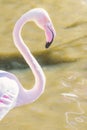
42,19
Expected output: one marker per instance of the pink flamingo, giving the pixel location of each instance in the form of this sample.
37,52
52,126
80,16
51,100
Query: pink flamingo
12,94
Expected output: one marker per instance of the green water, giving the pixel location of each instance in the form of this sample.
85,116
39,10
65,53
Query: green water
63,106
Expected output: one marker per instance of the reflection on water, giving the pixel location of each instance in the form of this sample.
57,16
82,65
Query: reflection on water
76,117
63,106
73,118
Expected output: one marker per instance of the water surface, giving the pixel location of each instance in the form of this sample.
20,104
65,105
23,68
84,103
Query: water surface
64,102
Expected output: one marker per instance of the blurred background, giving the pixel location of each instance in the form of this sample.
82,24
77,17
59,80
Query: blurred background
64,102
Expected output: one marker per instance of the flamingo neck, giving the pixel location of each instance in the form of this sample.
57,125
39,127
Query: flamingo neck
34,93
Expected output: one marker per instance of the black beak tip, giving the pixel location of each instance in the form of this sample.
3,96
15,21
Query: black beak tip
48,44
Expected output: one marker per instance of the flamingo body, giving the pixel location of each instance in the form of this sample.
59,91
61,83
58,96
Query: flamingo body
12,93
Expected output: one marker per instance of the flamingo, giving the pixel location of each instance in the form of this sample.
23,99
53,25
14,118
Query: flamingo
12,93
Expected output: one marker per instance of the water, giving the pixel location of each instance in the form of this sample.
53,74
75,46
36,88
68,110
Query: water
63,106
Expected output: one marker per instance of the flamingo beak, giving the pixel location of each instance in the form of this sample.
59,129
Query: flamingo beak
49,43
50,34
